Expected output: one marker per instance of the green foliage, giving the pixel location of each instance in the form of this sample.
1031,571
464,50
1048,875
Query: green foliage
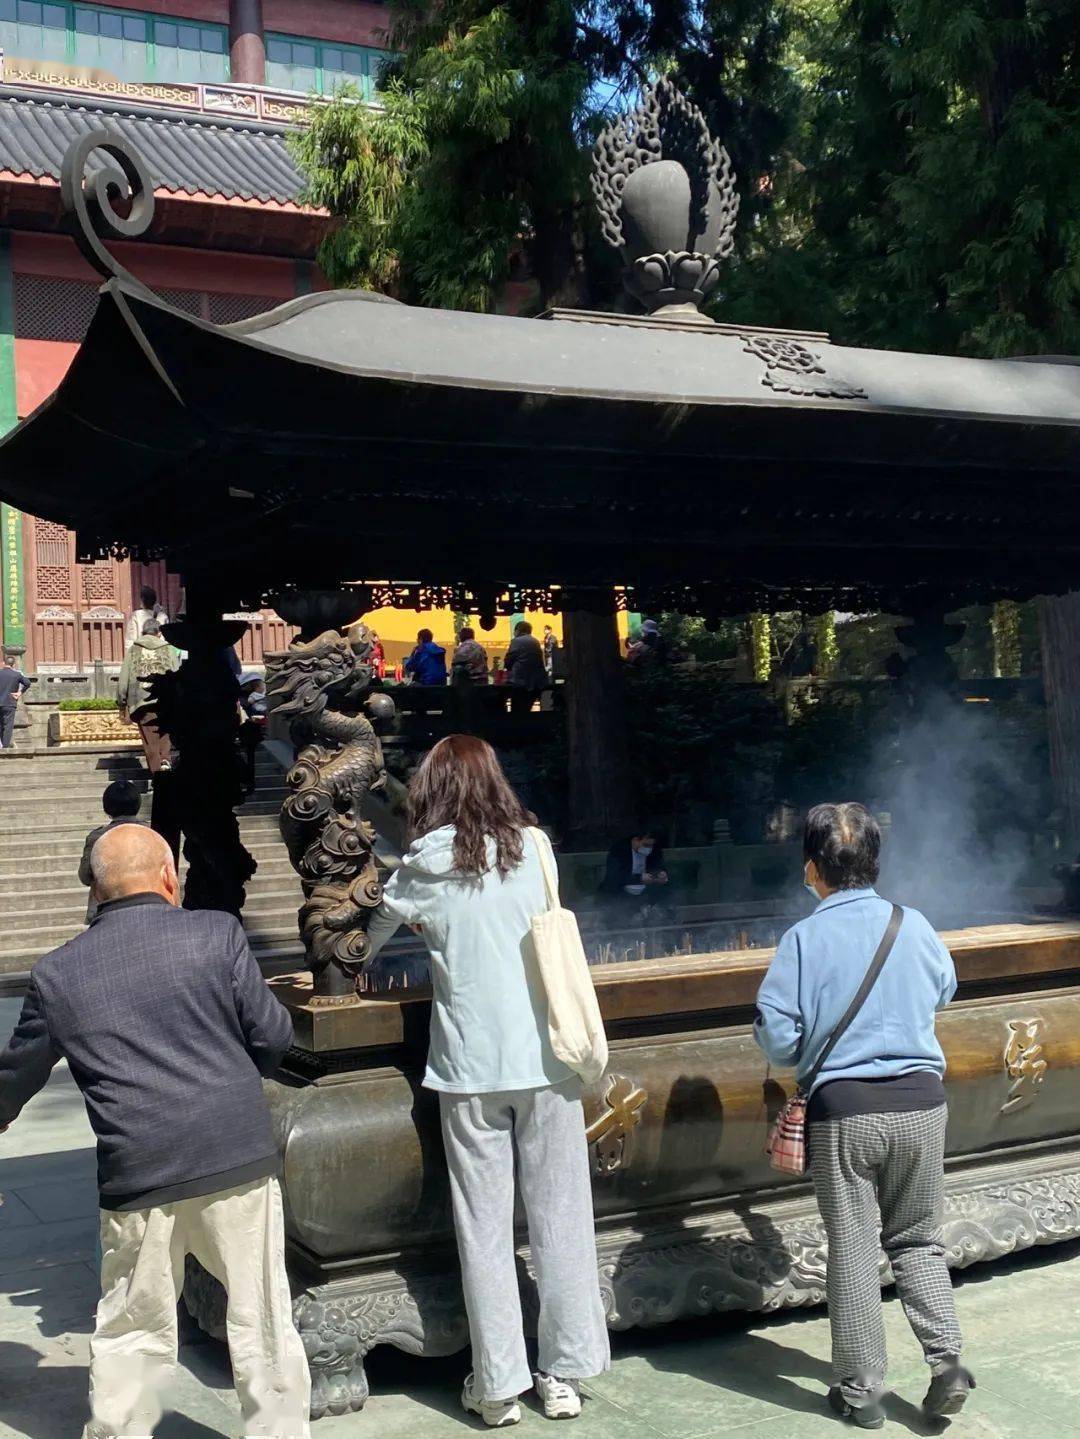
358,162
478,150
761,647
482,148
930,198
701,746
1006,628
76,706
689,637
826,650
864,644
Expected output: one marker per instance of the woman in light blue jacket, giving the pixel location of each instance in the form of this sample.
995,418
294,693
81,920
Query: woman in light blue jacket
471,883
877,1114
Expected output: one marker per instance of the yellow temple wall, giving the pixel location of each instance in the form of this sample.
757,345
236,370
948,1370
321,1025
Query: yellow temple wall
397,629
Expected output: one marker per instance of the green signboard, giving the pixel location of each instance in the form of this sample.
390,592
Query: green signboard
13,576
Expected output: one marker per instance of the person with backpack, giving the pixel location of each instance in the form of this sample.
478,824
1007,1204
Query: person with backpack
473,881
149,657
863,1046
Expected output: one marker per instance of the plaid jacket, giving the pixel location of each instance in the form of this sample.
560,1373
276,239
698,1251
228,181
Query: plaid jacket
167,1025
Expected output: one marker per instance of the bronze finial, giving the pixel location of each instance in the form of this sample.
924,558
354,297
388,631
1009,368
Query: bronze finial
666,194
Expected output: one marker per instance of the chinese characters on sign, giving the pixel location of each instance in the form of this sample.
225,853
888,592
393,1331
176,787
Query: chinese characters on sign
11,566
1024,1064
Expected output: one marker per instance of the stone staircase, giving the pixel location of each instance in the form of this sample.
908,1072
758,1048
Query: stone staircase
48,803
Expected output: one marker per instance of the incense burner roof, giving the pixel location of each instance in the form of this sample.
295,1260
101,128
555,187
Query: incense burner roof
345,435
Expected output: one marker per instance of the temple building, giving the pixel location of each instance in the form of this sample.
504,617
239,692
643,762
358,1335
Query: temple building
206,90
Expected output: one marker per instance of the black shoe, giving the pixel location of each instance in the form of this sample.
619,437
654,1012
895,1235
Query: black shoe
870,1416
948,1392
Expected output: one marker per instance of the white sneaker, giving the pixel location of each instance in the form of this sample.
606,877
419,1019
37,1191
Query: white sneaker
496,1413
561,1397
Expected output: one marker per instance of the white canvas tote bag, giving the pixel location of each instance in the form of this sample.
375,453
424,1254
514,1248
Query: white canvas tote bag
575,1027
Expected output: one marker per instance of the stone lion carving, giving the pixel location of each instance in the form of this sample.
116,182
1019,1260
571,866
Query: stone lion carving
320,686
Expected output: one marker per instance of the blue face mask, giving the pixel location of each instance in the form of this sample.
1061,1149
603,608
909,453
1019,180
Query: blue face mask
811,891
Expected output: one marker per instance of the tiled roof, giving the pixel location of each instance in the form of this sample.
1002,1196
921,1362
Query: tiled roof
184,153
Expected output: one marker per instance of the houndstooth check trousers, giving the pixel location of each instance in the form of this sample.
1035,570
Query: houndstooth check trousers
880,1184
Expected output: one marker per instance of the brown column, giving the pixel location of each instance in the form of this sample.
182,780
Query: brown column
1059,626
247,44
601,803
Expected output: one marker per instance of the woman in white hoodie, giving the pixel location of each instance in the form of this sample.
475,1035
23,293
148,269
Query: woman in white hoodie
471,883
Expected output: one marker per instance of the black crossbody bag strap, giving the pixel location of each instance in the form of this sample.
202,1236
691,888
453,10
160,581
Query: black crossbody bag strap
877,964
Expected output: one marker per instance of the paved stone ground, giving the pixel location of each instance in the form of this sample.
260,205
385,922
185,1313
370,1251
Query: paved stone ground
729,1376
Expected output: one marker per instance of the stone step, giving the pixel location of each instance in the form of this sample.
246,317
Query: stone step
17,820
273,921
50,872
91,791
255,831
59,905
99,776
276,952
50,794
59,852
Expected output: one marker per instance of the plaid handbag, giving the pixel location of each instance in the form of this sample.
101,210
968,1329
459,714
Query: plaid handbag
786,1145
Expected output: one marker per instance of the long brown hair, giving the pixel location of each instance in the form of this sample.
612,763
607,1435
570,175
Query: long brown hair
460,782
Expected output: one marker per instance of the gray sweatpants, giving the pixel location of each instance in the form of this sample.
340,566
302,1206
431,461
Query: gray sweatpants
545,1129
880,1184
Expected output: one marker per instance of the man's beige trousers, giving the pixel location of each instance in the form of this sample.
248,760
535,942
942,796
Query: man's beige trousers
239,1236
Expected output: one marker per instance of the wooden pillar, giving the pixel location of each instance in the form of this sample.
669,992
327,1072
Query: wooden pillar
247,43
1059,630
601,803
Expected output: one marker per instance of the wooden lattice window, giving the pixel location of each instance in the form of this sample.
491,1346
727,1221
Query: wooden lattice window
51,561
98,582
47,308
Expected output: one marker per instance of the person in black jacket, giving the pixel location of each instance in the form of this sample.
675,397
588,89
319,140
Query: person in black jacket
13,683
635,870
526,673
168,1026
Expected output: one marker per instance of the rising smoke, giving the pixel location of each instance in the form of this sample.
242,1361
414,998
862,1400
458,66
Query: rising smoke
964,813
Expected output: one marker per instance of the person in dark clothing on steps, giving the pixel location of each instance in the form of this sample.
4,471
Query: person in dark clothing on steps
13,683
168,1028
121,802
877,1112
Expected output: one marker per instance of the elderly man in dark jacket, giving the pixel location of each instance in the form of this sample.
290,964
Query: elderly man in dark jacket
168,1027
526,673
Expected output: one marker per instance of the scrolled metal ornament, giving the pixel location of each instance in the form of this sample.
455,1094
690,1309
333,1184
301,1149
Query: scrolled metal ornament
100,174
665,191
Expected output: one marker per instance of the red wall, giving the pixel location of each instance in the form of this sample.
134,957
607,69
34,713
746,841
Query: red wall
214,10
351,22
159,266
40,365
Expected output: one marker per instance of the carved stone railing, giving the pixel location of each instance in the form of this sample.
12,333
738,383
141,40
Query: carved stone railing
252,102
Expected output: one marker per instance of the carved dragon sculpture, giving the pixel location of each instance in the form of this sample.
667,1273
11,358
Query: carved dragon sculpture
316,683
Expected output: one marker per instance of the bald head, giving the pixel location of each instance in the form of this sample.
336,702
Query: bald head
132,859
